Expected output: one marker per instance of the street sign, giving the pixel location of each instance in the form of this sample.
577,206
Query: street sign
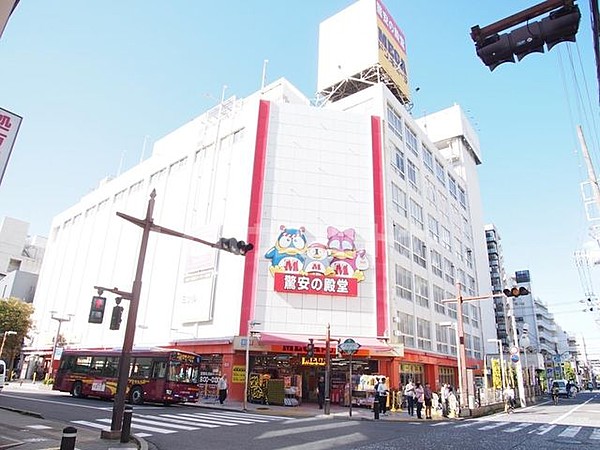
514,350
349,346
514,358
556,358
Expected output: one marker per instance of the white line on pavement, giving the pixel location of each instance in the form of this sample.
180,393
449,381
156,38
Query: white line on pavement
144,427
494,425
568,413
542,429
518,427
272,434
329,443
570,432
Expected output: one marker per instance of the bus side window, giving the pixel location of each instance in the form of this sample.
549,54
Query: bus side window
97,365
141,368
159,369
112,367
67,363
82,364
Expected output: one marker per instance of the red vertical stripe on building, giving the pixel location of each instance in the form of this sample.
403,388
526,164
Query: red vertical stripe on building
254,216
379,211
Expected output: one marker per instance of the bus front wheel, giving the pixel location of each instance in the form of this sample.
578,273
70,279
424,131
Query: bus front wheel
77,390
136,396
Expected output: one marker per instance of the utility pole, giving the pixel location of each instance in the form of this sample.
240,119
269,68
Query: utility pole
147,224
462,354
518,365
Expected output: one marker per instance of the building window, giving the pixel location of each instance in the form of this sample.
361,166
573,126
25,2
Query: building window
436,263
476,347
413,174
421,291
449,271
394,121
431,192
403,283
462,197
451,309
446,240
440,172
416,214
475,316
438,296
411,140
469,344
399,200
465,314
434,228
398,161
427,158
402,240
406,328
423,334
419,252
452,187
441,336
452,341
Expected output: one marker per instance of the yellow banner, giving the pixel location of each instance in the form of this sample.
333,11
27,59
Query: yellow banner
238,374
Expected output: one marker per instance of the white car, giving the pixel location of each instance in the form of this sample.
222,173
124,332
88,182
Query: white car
562,387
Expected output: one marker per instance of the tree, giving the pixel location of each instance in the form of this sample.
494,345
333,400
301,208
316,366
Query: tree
15,315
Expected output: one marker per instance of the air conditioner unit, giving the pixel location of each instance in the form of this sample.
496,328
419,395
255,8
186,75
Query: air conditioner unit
397,333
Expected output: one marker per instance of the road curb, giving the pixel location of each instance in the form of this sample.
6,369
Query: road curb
23,411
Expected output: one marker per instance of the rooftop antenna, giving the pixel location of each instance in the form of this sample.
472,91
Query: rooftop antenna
144,148
264,74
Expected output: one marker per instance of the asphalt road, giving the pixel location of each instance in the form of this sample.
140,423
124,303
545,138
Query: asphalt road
573,424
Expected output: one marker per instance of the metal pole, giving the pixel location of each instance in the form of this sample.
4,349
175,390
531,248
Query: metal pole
68,439
119,402
350,385
502,366
461,349
459,365
247,366
54,346
326,410
518,365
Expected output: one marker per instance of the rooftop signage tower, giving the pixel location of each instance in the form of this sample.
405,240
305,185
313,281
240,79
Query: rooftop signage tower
358,47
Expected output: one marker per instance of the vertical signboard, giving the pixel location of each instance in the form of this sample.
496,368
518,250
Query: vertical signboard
9,127
392,49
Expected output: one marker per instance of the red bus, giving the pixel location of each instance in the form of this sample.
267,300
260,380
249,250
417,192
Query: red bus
155,375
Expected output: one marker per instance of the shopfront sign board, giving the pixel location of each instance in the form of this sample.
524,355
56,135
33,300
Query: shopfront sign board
349,346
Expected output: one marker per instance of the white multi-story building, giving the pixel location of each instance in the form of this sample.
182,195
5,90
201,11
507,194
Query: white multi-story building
21,258
362,219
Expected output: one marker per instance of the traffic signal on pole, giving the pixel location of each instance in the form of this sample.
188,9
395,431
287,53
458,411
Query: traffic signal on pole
115,319
561,25
516,291
97,309
232,245
310,349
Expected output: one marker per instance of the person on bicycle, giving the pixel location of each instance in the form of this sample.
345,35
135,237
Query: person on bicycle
509,397
554,392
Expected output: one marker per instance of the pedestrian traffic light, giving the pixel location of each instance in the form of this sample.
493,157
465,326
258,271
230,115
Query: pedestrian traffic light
310,349
232,245
115,320
516,291
97,309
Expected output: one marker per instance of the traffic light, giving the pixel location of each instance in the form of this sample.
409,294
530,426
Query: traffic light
560,25
232,245
516,291
115,320
310,348
97,309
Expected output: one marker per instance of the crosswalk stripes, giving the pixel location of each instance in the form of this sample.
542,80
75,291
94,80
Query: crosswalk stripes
564,431
145,424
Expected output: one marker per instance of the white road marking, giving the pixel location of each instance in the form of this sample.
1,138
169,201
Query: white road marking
568,413
439,424
272,434
144,427
135,420
39,400
325,444
570,432
519,427
595,434
467,424
39,427
542,429
90,424
196,422
494,425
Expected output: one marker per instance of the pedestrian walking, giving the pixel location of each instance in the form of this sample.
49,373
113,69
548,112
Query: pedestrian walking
453,409
420,399
383,392
444,399
428,399
321,392
409,394
222,387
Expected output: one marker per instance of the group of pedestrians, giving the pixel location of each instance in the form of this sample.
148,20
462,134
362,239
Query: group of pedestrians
418,397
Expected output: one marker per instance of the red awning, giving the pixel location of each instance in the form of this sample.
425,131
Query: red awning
371,343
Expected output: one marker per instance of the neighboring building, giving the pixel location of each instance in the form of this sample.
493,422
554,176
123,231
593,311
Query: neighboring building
21,258
362,218
499,282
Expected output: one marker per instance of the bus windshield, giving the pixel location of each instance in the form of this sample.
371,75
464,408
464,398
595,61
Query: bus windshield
183,372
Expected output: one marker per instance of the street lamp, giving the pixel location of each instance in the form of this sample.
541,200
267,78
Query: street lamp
60,320
459,363
251,324
502,368
6,333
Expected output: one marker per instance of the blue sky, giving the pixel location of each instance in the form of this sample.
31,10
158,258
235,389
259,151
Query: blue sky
92,79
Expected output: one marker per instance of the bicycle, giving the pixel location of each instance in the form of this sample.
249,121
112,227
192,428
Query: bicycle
509,406
555,398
